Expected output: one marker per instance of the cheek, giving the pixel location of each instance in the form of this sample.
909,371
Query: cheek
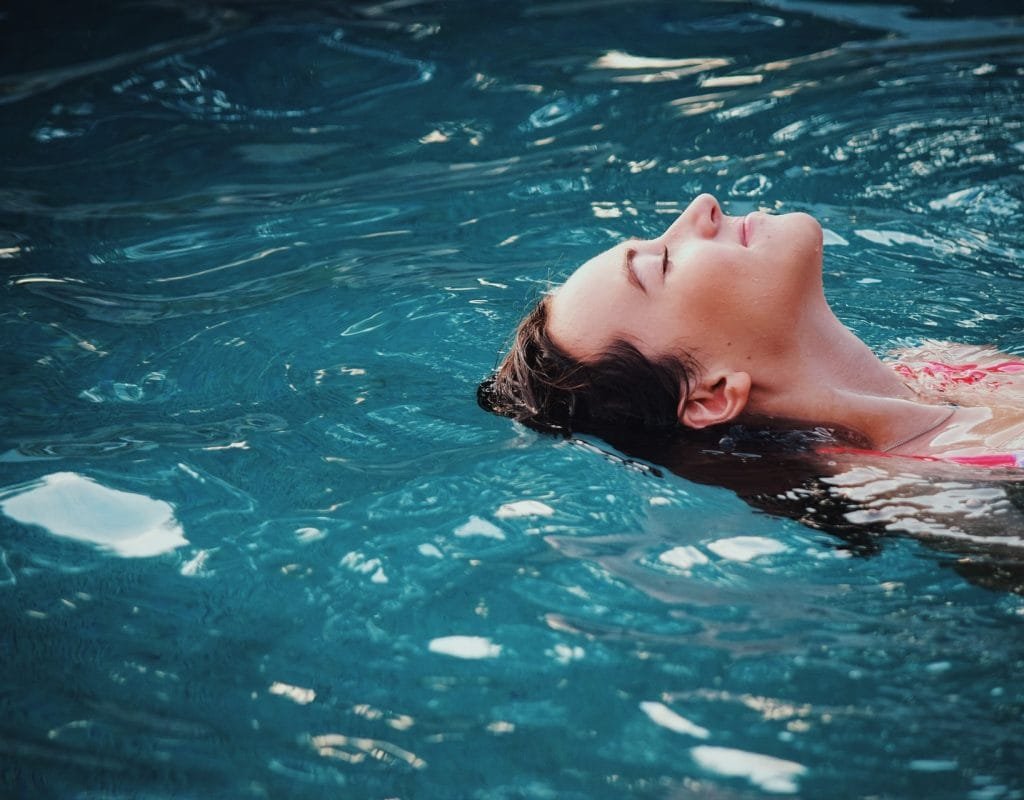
691,317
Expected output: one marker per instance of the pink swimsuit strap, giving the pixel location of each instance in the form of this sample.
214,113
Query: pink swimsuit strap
992,460
966,374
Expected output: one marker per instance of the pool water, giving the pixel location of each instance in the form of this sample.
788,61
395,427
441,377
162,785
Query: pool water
257,539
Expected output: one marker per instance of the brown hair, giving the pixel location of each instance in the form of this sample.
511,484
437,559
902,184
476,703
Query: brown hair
542,386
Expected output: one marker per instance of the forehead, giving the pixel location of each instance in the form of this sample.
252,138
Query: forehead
582,311
593,267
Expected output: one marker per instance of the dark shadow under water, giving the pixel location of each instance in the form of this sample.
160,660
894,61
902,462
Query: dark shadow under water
973,516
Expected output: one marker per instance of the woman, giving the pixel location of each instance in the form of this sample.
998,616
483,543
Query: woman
723,321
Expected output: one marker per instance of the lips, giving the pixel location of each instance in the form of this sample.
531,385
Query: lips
747,229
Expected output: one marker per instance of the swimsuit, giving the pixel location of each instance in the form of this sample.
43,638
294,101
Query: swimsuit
991,460
961,374
947,375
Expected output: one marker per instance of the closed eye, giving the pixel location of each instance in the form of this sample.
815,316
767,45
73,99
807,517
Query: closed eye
627,264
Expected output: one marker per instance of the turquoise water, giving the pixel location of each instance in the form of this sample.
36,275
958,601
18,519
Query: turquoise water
257,538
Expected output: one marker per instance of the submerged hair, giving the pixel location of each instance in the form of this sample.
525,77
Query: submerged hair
541,385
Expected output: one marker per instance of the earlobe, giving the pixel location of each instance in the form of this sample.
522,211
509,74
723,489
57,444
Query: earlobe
714,400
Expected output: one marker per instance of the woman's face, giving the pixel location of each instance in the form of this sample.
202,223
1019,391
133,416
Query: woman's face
710,286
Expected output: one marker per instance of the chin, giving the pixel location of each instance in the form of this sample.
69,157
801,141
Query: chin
800,238
804,229
802,220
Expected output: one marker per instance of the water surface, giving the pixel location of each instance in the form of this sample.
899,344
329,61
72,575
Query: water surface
257,539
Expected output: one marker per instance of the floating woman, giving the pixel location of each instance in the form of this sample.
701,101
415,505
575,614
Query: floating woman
722,321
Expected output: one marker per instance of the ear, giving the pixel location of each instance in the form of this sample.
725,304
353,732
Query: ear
715,399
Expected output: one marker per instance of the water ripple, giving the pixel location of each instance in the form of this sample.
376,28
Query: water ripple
302,72
255,271
378,189
118,440
14,88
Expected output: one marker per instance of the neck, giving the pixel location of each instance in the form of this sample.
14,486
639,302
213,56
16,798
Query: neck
830,377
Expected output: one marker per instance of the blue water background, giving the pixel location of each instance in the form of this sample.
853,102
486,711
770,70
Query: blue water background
256,258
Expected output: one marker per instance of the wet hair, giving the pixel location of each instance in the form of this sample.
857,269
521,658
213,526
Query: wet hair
544,387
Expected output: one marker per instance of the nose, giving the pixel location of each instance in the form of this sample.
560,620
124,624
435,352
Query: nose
701,218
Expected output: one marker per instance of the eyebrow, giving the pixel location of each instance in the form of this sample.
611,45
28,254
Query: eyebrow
627,265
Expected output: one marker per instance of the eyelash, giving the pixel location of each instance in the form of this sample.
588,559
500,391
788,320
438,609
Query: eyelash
631,252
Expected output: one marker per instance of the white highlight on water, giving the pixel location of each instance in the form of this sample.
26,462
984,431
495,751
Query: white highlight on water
296,694
745,548
76,507
480,527
890,238
470,647
684,557
195,565
524,508
566,654
357,562
309,534
662,715
766,772
830,238
429,550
